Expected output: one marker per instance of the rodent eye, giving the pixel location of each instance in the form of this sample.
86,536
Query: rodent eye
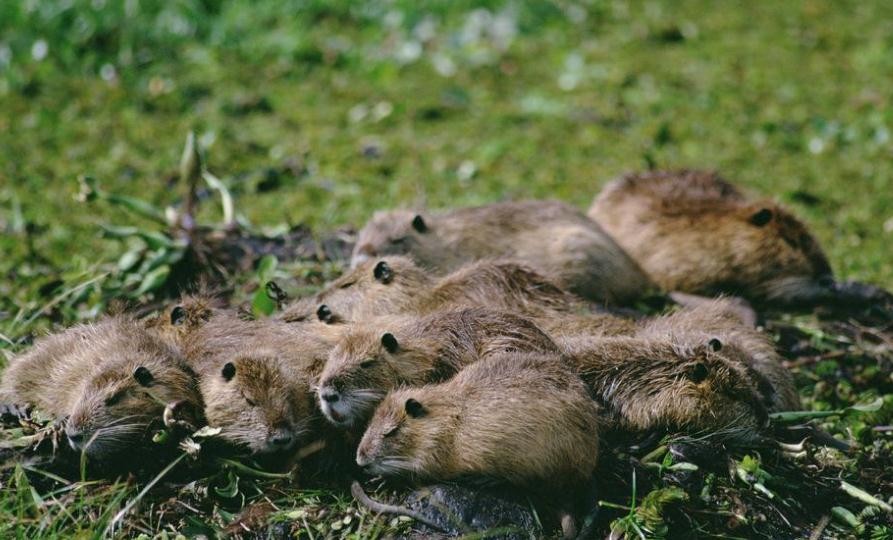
250,402
367,363
399,241
348,284
391,431
114,399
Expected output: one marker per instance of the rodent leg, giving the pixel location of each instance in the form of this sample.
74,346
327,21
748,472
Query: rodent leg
357,491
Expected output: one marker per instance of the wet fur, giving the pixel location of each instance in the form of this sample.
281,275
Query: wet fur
523,419
430,349
86,374
551,237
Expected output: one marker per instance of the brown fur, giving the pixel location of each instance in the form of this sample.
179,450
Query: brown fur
177,321
661,384
520,418
694,232
551,237
499,285
258,378
363,367
89,374
742,344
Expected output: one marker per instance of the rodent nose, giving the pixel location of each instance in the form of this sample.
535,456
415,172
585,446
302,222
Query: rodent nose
362,458
75,438
330,395
281,438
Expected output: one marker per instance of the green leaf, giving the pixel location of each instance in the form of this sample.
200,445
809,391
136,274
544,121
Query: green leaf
130,259
266,267
231,489
137,206
864,496
261,304
153,280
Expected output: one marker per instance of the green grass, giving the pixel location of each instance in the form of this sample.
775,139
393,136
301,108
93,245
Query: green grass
321,112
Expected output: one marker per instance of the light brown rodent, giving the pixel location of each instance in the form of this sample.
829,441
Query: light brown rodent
395,284
192,311
382,353
257,379
111,380
523,419
551,237
692,231
658,384
720,319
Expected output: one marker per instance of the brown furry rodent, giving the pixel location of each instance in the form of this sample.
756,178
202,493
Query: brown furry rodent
693,231
382,353
192,311
395,284
523,419
553,238
659,384
257,379
111,380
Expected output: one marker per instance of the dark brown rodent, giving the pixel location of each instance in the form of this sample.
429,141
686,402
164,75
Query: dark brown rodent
692,231
111,380
551,237
382,353
257,379
659,384
395,284
520,418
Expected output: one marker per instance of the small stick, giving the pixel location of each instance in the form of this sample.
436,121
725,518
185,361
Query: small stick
357,491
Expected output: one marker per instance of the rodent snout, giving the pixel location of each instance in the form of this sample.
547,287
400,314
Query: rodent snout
329,395
76,438
281,438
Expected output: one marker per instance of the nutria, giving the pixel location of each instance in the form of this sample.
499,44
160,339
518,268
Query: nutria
721,318
659,384
389,285
257,379
395,284
551,237
693,231
520,418
110,379
176,321
382,353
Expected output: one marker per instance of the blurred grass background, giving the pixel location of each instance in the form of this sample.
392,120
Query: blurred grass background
321,112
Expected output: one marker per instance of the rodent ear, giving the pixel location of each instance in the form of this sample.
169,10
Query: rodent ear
698,373
143,376
414,408
324,314
389,342
761,217
715,345
178,316
383,272
418,223
228,371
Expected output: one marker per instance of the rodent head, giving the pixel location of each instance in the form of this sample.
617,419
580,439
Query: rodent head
184,317
395,232
406,435
361,369
379,285
119,405
695,388
257,402
796,263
